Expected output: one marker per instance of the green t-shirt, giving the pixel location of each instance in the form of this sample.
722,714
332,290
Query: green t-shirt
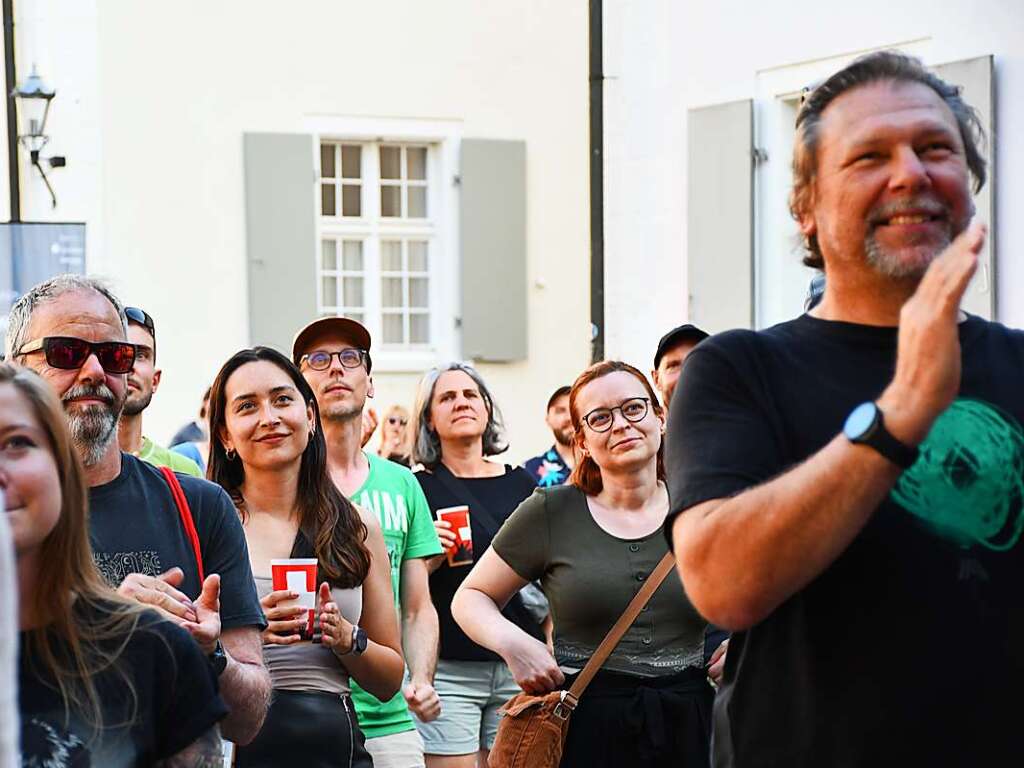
394,494
159,456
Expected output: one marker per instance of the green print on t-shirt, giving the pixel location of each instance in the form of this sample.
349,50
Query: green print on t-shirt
968,481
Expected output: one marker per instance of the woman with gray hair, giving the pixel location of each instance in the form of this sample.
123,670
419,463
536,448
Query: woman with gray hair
457,426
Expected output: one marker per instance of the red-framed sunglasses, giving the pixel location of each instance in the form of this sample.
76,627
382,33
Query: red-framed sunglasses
69,353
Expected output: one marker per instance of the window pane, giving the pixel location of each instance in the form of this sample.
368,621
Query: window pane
419,329
391,293
329,251
327,200
417,208
391,255
351,200
327,161
352,287
352,256
393,329
330,291
390,162
418,293
416,163
351,162
417,255
390,201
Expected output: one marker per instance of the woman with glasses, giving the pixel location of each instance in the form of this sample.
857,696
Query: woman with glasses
101,681
395,444
268,452
457,428
592,543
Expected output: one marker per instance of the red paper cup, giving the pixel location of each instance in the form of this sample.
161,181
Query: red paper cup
297,575
462,552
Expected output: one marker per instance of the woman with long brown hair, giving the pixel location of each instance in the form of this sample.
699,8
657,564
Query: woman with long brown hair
267,451
101,681
592,543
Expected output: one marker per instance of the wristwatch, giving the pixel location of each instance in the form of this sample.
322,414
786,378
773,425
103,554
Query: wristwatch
218,659
866,426
359,642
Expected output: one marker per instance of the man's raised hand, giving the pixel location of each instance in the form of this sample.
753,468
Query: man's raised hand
927,376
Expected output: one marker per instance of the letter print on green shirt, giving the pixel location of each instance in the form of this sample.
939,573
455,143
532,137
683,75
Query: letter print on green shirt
967,484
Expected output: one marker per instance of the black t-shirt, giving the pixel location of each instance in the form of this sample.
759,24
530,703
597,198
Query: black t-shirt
176,702
135,527
909,648
500,495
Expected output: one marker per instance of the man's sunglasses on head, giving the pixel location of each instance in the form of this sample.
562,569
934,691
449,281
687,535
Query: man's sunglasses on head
142,317
69,353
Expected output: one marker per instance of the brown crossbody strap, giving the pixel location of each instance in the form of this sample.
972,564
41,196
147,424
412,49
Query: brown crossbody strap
615,634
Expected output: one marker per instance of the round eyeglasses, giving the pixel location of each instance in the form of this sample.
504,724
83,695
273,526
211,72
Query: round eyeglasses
632,410
321,359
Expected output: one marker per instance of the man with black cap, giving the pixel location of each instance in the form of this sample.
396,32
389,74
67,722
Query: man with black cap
333,354
554,466
668,360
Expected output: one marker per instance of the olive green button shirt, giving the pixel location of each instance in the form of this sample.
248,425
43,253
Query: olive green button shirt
590,576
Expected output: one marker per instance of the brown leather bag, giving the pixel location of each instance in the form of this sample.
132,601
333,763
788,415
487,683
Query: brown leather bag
532,730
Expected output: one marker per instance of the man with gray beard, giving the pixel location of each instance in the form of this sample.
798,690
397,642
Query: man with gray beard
72,331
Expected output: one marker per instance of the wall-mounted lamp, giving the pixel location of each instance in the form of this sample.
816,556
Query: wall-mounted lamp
33,99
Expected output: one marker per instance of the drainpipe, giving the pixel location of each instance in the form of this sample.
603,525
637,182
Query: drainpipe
13,171
596,181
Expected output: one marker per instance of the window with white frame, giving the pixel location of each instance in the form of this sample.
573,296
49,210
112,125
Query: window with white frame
378,238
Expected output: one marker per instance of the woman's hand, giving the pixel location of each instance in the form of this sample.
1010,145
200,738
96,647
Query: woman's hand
335,629
446,535
444,531
532,666
283,622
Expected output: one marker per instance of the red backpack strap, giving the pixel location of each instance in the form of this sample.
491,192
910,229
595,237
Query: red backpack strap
186,517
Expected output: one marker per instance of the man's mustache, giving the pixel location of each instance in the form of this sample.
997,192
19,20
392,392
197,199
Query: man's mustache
99,391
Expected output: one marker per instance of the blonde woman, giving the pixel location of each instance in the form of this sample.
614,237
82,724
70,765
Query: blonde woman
396,436
100,680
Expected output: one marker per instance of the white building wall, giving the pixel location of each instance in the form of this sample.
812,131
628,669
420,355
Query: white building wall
663,58
153,100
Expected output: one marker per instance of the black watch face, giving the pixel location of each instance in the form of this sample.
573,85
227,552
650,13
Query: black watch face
361,641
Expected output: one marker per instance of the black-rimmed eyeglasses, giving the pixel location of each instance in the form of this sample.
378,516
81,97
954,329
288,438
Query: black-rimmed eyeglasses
632,410
321,359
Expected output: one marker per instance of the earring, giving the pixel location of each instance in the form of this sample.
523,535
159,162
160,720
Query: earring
230,454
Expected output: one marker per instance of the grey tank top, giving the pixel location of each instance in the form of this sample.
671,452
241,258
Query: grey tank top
310,666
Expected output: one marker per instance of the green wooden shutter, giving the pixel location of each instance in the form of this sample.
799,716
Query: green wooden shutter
974,76
492,235
719,220
280,213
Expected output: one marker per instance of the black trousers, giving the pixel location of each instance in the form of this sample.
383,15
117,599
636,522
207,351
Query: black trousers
307,729
657,722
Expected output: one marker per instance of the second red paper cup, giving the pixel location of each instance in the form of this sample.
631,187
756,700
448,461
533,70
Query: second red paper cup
462,552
